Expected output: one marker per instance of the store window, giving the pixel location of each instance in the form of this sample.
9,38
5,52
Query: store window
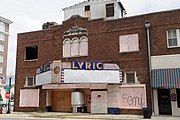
128,43
178,97
31,53
1,48
173,38
2,26
75,47
130,77
2,37
110,10
30,81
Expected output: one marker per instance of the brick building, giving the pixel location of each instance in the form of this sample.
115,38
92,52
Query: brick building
93,65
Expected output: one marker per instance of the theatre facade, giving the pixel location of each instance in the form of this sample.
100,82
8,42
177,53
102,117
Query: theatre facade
93,66
98,61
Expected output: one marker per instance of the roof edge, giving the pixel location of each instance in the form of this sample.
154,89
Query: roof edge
5,20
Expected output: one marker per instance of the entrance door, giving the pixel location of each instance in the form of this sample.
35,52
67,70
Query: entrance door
61,101
164,102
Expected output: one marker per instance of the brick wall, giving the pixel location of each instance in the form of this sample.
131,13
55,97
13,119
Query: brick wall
103,42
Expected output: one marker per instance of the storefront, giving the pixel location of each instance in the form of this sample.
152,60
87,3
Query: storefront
89,86
166,85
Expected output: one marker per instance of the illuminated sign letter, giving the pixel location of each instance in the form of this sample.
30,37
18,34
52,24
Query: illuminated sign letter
74,65
87,65
99,65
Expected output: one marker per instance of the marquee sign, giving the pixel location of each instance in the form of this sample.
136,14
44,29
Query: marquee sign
87,65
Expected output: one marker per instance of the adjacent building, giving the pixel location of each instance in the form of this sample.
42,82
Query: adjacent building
4,36
98,63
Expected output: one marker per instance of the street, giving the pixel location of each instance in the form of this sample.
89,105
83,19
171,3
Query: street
32,118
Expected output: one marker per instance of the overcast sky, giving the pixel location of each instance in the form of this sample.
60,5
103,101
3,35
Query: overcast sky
29,15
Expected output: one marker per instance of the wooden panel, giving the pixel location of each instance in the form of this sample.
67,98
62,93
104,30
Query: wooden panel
61,101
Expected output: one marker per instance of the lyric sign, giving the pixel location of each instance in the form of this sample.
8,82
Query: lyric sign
87,65
132,96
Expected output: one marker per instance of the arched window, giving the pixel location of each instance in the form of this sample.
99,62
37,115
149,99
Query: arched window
75,47
83,46
66,48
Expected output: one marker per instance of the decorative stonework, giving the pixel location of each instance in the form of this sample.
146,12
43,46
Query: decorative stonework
75,30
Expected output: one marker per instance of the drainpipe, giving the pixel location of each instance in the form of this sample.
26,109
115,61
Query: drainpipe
147,26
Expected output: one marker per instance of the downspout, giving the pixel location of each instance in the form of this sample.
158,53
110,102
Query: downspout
147,26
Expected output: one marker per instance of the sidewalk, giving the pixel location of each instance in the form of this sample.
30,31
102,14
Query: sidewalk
85,116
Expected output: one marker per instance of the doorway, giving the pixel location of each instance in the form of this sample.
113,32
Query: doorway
61,101
164,102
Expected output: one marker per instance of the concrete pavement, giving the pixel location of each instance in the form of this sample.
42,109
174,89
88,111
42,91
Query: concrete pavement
79,116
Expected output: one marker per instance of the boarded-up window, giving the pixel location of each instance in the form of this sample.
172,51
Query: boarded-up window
110,10
84,46
66,48
129,43
31,53
29,98
75,47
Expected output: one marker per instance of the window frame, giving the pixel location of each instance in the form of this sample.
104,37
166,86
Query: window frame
65,43
1,46
33,81
82,39
74,41
177,37
2,37
2,26
1,58
87,8
109,8
25,59
135,77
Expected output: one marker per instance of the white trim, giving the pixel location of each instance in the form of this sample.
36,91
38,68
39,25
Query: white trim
26,82
135,77
177,36
82,39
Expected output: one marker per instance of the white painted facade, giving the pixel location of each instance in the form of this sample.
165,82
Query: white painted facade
167,61
97,9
